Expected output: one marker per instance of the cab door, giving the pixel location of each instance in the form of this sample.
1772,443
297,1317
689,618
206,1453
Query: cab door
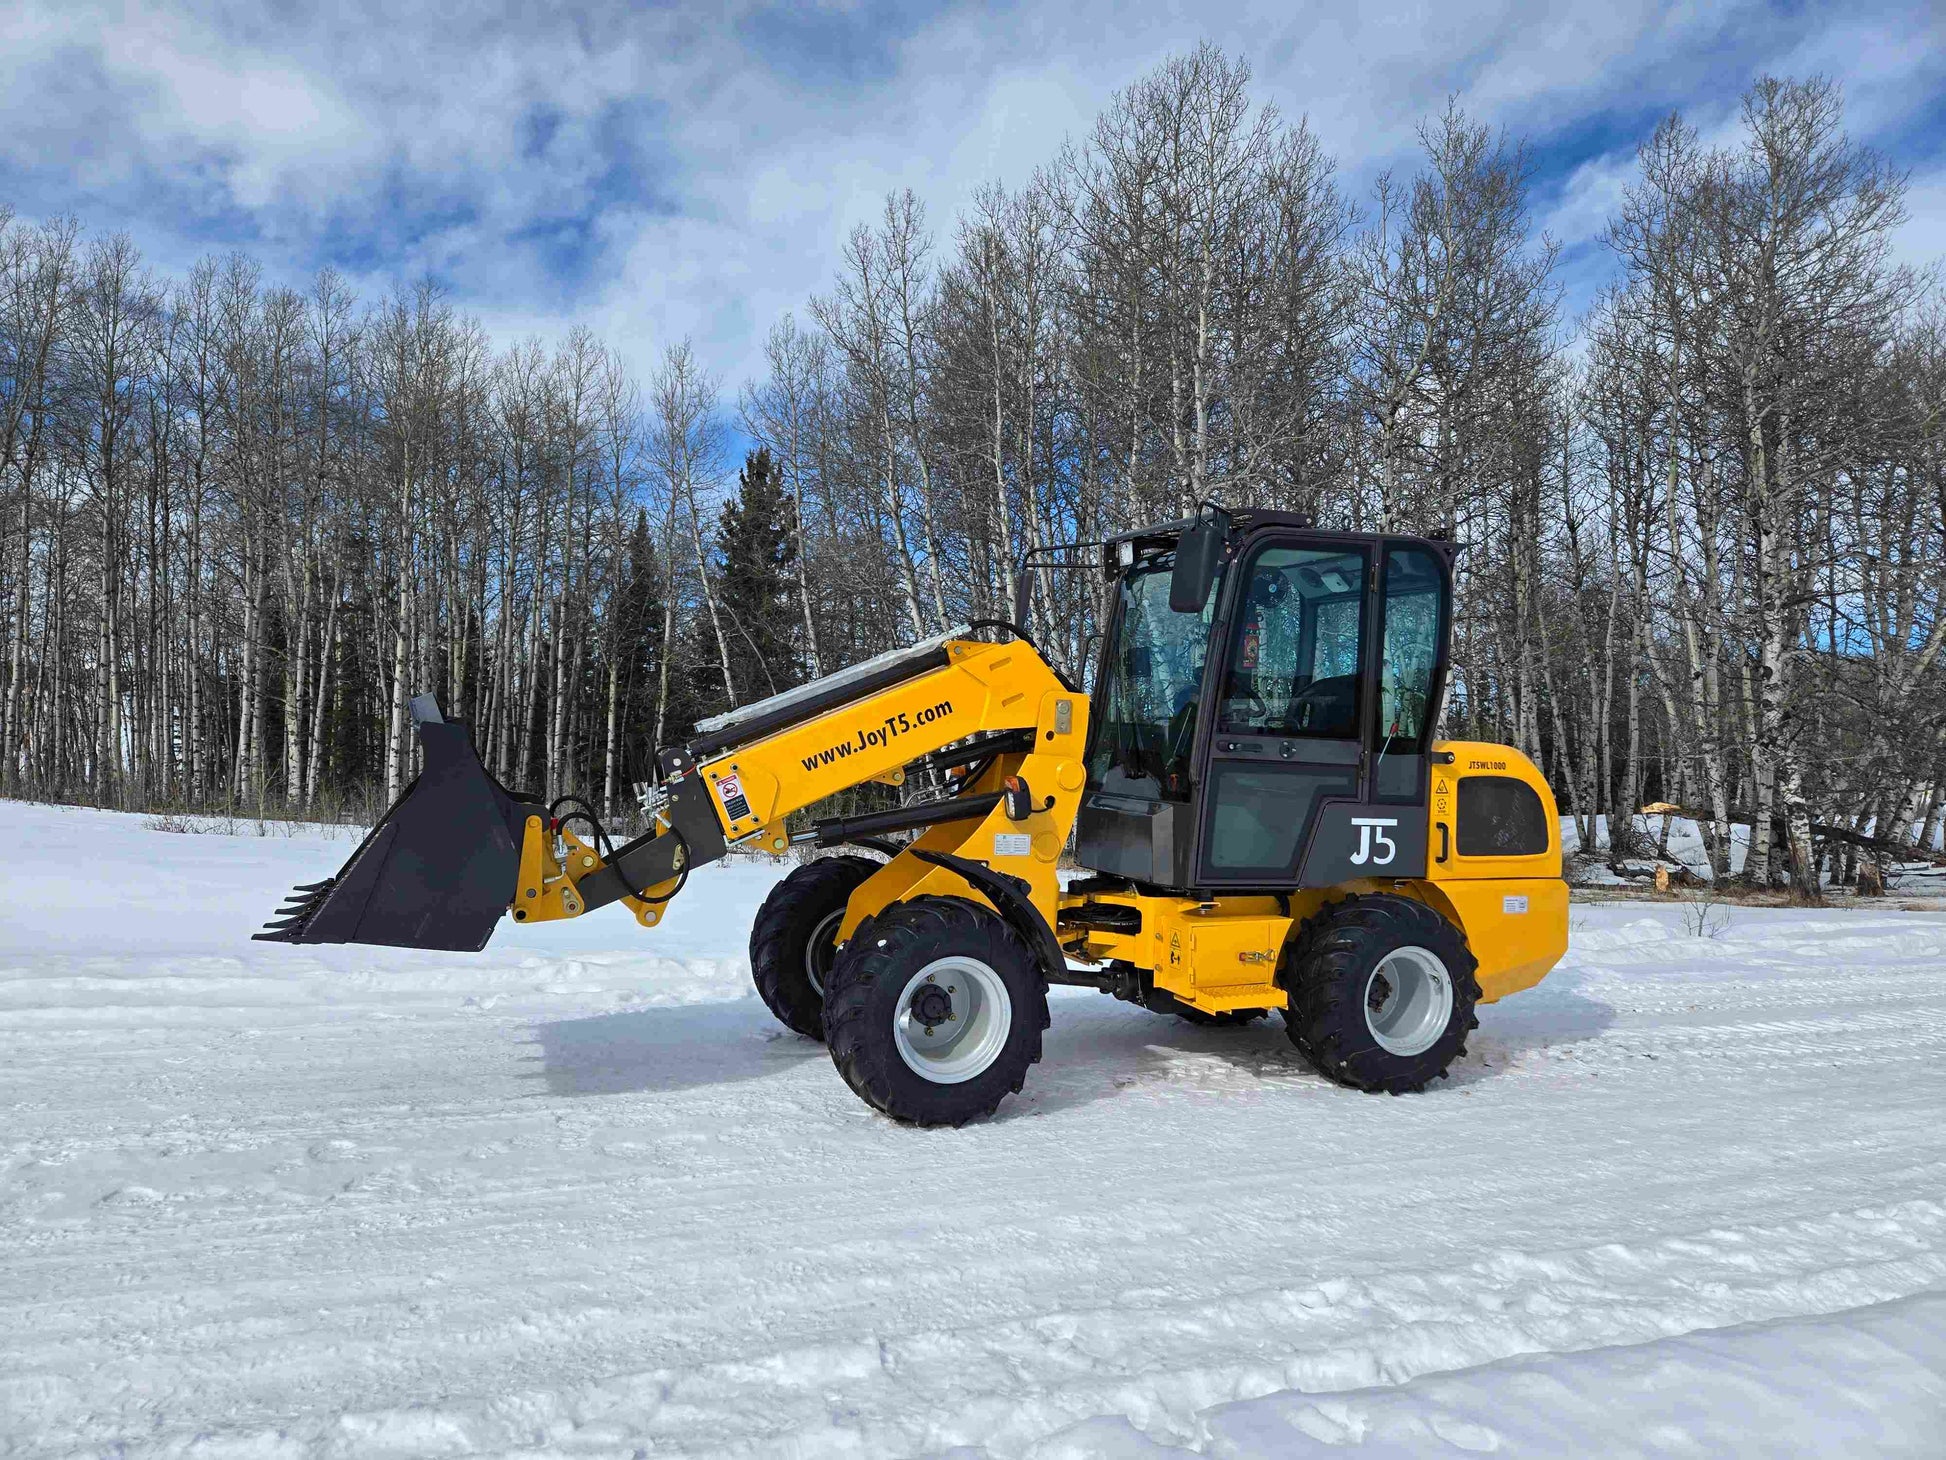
1286,708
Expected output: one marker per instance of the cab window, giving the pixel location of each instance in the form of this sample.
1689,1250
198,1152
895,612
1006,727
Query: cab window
1296,650
1414,590
1147,701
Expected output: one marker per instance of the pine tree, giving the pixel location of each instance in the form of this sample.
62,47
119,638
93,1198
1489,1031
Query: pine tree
638,636
755,558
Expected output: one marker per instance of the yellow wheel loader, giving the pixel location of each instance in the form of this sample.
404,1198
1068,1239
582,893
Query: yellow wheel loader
1261,817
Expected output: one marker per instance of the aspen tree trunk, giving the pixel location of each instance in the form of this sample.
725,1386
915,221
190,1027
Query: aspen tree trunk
192,613
709,599
909,579
1002,514
811,651
662,659
530,705
1928,826
320,695
11,747
557,709
611,742
260,678
297,675
1705,686
395,748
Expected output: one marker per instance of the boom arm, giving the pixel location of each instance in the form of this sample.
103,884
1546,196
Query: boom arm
745,773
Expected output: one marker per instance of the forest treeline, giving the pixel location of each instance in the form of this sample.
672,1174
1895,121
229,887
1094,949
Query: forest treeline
1702,527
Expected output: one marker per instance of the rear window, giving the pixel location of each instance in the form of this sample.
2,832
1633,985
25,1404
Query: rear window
1500,817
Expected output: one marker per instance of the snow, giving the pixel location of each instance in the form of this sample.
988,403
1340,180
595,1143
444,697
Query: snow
578,1195
1685,849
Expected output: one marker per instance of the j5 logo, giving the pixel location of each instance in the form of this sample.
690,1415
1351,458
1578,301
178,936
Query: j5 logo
1372,831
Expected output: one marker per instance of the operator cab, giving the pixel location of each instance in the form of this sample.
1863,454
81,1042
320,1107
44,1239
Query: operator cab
1264,704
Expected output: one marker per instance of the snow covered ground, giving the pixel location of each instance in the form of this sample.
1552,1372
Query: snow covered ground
1912,879
579,1196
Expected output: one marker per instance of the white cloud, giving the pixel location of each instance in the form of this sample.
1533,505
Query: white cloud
1921,241
705,164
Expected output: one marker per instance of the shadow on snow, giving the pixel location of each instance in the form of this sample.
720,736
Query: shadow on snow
675,1047
1095,1049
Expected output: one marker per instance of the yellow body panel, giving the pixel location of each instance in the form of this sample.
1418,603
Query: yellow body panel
1029,849
1512,911
1517,929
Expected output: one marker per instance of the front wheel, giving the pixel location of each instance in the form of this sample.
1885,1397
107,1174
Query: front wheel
793,939
1381,993
934,1011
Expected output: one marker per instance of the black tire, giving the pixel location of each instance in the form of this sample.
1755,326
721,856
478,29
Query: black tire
866,998
1329,973
783,962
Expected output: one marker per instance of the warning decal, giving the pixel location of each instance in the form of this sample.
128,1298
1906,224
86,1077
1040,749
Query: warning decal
735,804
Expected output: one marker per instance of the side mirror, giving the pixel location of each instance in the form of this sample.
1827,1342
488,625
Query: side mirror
1199,553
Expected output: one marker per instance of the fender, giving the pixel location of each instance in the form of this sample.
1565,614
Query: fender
1009,897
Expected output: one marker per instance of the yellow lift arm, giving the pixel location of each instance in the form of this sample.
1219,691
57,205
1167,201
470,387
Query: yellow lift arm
998,838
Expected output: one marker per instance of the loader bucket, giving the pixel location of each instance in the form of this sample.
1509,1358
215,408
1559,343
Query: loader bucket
436,872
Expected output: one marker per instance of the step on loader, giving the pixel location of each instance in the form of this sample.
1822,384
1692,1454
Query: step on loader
1262,817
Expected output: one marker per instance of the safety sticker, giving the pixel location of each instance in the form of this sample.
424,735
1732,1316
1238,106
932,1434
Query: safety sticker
1012,844
730,788
1513,904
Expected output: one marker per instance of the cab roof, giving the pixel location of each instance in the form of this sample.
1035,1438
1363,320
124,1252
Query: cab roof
1161,536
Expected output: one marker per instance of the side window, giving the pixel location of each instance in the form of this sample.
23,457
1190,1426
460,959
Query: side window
1499,816
1413,592
1294,660
1146,706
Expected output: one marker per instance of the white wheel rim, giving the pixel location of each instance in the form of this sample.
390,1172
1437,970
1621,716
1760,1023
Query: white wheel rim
952,1019
818,950
1408,1001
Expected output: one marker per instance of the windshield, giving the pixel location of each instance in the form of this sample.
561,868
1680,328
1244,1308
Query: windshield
1147,699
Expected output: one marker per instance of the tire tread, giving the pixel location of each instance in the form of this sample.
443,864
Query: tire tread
902,937
1324,976
776,948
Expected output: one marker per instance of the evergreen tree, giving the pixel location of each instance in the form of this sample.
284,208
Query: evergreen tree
638,641
755,561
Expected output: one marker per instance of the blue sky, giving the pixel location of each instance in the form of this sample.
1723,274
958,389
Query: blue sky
680,170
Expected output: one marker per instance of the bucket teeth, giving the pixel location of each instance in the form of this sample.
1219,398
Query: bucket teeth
300,903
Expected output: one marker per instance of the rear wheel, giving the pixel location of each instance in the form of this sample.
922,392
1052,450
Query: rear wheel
793,939
934,1013
1382,993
